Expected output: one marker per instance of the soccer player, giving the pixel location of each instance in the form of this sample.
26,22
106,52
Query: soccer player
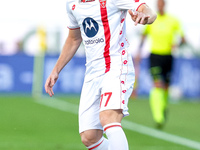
109,75
162,34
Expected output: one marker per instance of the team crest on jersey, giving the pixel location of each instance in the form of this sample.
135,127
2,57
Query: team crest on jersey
102,3
90,27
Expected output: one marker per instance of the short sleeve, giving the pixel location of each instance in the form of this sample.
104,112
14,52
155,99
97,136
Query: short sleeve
178,27
129,4
71,22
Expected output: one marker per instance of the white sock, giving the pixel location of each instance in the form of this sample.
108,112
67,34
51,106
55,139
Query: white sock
116,136
102,144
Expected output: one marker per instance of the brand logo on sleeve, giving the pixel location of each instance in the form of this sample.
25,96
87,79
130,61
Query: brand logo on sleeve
73,7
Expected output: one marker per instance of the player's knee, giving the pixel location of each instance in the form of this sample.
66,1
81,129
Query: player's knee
90,137
86,140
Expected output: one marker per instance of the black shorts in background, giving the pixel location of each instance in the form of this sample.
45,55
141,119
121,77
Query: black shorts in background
161,67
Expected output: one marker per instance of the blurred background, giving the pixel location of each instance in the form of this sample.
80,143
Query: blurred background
39,28
32,33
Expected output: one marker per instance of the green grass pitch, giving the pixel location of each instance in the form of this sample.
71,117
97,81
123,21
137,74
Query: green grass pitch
26,124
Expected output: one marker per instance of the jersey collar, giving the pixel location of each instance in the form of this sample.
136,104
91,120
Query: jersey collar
84,1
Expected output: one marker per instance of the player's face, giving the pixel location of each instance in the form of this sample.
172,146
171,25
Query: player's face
161,5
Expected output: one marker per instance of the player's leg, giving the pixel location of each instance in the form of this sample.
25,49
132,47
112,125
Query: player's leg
167,69
157,93
113,107
161,67
94,139
111,122
90,128
115,89
157,104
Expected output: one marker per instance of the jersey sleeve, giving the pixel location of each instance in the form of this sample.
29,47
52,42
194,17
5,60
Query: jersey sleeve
129,4
178,27
71,22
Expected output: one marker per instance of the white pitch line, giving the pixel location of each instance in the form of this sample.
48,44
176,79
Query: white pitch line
58,104
72,108
160,135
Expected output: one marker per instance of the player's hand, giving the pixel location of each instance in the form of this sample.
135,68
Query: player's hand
139,17
51,80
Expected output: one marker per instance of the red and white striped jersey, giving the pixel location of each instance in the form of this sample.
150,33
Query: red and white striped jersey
103,30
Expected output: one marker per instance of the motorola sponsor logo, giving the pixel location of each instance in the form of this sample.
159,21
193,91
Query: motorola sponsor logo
91,28
96,41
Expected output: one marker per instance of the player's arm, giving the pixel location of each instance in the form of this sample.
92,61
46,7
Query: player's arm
180,32
137,58
69,49
143,15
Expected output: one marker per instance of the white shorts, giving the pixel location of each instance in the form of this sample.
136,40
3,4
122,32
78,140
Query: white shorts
109,91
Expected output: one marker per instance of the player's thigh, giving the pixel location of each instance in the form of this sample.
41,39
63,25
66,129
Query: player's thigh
89,107
156,68
116,90
167,68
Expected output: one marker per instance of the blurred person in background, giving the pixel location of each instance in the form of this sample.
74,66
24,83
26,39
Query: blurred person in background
162,35
109,76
